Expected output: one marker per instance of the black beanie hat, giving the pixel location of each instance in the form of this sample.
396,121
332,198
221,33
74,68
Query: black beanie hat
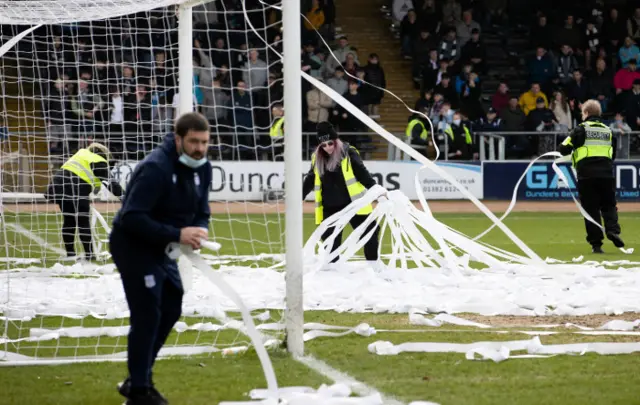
326,132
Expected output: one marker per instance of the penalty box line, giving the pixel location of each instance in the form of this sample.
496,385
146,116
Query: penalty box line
340,377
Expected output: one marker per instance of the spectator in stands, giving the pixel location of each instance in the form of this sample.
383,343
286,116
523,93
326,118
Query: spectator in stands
570,35
431,70
567,64
409,31
628,51
475,52
500,99
442,70
219,53
318,105
541,68
470,97
256,72
463,77
243,119
138,116
529,100
450,47
560,108
341,54
422,47
444,118
348,122
374,74
633,25
623,81
425,102
513,117
633,106
314,21
116,109
338,82
225,78
542,34
614,30
601,84
496,12
127,80
429,16
62,57
465,28
577,92
489,124
592,42
459,139
436,106
448,91
620,128
401,9
350,65
86,107
541,119
216,106
57,118
451,13
314,60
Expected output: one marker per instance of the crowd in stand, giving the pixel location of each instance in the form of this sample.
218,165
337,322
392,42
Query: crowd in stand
576,53
117,80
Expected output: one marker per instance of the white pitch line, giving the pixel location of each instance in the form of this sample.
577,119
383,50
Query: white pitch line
339,377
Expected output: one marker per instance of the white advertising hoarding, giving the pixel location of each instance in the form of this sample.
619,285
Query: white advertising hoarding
247,181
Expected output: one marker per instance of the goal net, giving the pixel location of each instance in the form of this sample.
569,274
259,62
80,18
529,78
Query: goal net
81,72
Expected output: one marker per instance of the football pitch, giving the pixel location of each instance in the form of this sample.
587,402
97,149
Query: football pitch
444,378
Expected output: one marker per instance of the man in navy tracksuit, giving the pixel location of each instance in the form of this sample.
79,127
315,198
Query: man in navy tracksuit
166,201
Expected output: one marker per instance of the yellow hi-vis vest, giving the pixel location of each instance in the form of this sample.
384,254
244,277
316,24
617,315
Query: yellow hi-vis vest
413,123
80,165
354,187
467,134
597,142
276,130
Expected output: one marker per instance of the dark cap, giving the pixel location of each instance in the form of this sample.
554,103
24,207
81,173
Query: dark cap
540,100
326,132
492,111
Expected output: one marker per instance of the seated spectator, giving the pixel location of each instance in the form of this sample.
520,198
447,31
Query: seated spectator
475,52
462,78
374,74
459,139
444,118
442,70
500,99
313,60
624,79
436,106
541,119
451,13
601,84
425,102
400,9
341,53
428,14
570,35
314,21
633,25
430,71
318,105
513,117
632,106
422,47
350,65
529,100
620,128
628,51
338,82
567,64
560,108
448,91
614,31
465,28
592,42
541,35
409,32
540,68
450,47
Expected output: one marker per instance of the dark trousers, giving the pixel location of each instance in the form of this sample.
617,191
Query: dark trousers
370,248
155,303
598,198
75,215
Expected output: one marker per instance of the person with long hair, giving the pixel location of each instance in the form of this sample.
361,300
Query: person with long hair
560,108
338,176
71,187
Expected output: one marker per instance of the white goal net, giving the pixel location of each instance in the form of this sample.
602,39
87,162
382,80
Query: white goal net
79,72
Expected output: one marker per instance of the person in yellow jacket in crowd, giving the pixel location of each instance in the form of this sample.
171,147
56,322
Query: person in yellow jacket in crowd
276,132
528,100
592,147
338,176
70,188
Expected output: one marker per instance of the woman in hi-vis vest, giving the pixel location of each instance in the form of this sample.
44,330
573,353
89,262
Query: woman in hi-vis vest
338,176
70,188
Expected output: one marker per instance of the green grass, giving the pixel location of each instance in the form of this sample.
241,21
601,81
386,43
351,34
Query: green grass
442,378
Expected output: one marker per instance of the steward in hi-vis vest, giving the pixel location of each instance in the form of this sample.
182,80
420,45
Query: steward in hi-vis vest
70,188
592,148
338,177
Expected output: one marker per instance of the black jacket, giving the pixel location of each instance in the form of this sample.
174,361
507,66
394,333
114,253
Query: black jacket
590,167
162,197
334,188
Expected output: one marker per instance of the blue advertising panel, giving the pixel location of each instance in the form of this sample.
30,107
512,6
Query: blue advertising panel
541,183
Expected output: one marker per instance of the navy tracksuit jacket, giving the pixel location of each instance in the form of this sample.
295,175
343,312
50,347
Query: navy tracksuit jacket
162,197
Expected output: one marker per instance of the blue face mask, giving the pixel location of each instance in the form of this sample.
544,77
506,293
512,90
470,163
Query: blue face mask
191,162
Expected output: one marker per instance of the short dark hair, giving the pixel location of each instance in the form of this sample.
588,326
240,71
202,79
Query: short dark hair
192,121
